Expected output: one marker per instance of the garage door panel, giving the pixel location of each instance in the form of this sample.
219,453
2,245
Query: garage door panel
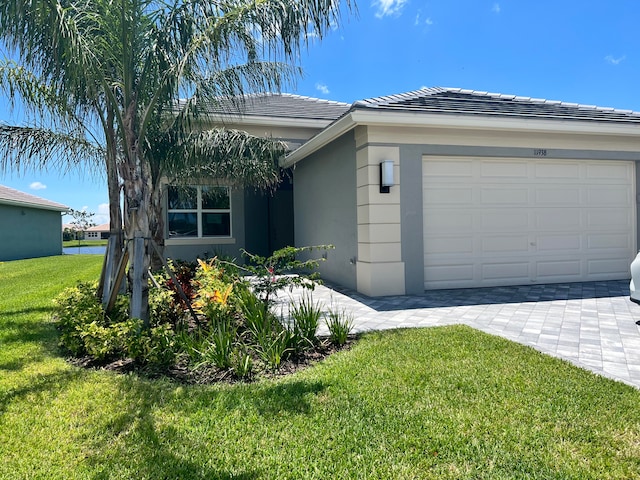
611,266
508,220
452,220
558,269
500,169
513,221
450,245
505,244
607,196
558,243
600,171
446,168
557,219
609,241
451,273
448,196
504,196
608,219
512,271
560,195
557,170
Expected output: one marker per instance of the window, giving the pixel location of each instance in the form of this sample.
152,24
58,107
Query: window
198,211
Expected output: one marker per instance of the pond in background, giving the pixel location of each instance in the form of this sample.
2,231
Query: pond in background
84,250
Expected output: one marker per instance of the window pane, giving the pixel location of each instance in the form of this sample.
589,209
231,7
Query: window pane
183,225
215,198
182,198
216,224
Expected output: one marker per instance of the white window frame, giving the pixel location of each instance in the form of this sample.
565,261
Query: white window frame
199,211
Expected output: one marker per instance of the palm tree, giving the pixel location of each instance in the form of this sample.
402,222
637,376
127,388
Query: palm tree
140,72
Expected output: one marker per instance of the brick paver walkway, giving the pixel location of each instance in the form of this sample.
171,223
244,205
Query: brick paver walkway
592,325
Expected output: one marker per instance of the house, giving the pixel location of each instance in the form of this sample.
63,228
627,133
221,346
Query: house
31,226
97,232
484,190
207,220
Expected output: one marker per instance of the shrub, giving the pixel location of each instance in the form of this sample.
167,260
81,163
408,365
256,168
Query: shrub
163,308
306,320
274,347
241,362
156,346
238,333
81,321
219,343
272,274
340,325
86,330
184,273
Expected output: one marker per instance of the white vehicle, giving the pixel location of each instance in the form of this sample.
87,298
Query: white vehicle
634,285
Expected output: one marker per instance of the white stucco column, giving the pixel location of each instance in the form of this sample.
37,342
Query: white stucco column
380,270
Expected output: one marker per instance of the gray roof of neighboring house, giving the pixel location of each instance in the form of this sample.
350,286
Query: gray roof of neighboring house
10,196
470,102
284,105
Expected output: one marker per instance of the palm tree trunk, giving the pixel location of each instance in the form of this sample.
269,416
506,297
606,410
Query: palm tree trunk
136,173
115,247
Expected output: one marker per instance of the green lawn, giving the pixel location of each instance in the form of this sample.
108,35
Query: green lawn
411,404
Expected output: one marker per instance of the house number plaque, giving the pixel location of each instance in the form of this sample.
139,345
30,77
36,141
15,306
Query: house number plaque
539,152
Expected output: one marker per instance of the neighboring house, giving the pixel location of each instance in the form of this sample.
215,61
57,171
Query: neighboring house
97,232
31,226
487,189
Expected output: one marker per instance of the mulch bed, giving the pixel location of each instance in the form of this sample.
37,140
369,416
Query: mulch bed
182,372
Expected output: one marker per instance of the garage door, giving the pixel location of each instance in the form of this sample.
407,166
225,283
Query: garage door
490,222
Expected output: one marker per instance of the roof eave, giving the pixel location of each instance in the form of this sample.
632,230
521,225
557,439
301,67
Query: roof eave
377,117
263,120
18,203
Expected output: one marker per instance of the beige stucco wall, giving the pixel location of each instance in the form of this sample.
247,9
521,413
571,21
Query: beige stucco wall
380,270
388,263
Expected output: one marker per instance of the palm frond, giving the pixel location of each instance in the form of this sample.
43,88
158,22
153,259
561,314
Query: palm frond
27,149
232,157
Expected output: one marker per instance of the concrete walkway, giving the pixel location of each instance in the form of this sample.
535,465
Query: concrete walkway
592,325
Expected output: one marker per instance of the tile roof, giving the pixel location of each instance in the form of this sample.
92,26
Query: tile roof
471,102
10,196
284,105
99,228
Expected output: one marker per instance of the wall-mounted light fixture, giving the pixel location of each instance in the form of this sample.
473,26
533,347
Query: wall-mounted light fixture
386,175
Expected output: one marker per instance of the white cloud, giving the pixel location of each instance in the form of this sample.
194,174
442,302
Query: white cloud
615,61
420,21
103,209
322,88
102,214
37,186
496,8
385,8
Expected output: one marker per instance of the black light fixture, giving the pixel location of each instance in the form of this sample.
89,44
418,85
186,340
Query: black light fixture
386,175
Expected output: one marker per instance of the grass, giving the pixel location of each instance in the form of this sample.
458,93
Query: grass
448,403
84,243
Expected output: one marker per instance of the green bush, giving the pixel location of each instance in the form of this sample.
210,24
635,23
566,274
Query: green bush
219,344
241,362
80,319
306,319
340,325
86,330
235,329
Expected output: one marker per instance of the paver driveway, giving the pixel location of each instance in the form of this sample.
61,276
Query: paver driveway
592,325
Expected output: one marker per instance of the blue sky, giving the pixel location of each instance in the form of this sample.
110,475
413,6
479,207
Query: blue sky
576,51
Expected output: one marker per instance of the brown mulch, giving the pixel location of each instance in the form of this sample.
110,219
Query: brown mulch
182,372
